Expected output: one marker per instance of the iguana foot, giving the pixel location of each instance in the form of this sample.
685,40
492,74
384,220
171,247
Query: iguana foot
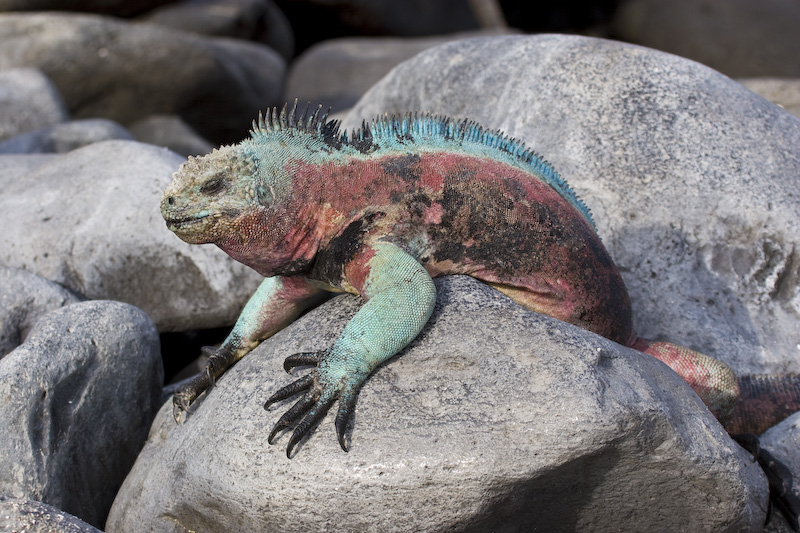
335,377
219,361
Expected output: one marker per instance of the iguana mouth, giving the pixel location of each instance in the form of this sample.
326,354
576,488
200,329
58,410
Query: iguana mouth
176,223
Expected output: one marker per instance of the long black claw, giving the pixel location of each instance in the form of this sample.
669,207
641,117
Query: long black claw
290,390
304,404
187,394
342,418
305,425
177,411
179,402
301,359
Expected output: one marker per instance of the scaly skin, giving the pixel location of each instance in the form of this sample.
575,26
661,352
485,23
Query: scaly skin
379,215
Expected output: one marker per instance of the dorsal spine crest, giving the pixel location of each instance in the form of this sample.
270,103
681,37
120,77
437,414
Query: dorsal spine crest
416,128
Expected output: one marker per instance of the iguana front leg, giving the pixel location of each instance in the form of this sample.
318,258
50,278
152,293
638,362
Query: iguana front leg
400,297
275,304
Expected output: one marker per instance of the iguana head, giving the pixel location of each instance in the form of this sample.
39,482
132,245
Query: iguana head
211,197
252,199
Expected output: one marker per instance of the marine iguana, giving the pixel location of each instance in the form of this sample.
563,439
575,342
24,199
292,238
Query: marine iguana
379,214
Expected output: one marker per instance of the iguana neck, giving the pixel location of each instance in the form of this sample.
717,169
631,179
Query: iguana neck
282,243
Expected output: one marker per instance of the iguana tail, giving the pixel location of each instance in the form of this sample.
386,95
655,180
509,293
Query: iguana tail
749,404
711,379
764,400
746,406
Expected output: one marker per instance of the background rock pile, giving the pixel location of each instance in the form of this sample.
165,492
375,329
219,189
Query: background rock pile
495,418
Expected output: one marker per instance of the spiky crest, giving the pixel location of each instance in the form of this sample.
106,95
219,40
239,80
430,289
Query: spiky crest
275,121
414,127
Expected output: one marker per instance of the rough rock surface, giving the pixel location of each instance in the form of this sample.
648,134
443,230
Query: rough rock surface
77,400
737,37
495,418
65,137
684,169
17,515
337,72
123,71
90,220
24,299
28,101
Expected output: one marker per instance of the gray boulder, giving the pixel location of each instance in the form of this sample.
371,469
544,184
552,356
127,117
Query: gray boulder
78,398
65,137
170,132
686,171
337,72
28,101
783,442
494,419
24,299
123,71
18,514
90,220
257,20
737,37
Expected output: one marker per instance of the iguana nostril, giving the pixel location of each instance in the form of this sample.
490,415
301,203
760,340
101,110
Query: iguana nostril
171,200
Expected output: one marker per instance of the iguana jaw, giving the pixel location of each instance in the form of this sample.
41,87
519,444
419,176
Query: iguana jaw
192,228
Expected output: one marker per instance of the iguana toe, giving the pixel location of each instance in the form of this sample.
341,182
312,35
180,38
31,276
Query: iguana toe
346,404
297,410
187,393
316,413
322,386
301,359
290,390
219,361
177,410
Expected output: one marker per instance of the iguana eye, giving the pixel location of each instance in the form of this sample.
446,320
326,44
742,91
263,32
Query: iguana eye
265,195
213,186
